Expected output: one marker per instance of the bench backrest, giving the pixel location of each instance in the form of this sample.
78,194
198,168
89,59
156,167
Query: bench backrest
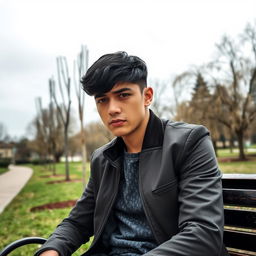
239,196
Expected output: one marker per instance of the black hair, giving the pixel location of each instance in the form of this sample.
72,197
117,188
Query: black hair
114,68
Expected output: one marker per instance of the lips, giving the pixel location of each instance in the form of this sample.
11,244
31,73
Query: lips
117,122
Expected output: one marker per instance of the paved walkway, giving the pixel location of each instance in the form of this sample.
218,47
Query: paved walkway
12,182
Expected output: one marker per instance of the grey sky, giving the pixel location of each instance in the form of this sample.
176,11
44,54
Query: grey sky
170,35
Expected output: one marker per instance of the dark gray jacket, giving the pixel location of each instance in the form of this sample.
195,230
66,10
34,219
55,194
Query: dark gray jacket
180,188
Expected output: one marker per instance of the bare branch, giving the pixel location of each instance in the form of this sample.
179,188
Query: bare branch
59,70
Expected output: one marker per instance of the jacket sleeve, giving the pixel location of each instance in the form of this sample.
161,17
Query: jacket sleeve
200,200
76,229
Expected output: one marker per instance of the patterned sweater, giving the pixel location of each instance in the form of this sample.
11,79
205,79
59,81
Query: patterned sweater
128,233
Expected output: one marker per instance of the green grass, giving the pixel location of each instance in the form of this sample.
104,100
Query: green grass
239,166
226,152
18,221
3,170
229,163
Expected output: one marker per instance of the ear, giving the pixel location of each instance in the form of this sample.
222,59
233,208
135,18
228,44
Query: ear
148,96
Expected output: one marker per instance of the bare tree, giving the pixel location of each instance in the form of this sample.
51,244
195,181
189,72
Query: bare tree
237,87
161,105
65,106
51,129
198,109
233,79
181,83
42,126
3,132
80,67
48,133
97,135
40,142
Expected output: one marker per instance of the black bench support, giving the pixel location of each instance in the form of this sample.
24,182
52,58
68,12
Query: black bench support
21,242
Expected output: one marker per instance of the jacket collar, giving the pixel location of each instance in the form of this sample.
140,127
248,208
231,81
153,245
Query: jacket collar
154,135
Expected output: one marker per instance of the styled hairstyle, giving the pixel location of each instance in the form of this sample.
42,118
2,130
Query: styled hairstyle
114,68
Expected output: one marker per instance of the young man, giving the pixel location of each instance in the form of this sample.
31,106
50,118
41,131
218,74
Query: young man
155,189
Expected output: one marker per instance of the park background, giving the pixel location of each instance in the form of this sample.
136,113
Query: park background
201,57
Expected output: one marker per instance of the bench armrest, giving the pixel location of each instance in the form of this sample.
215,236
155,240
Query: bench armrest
21,242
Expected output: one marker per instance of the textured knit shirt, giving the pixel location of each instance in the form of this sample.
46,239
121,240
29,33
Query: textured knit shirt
130,232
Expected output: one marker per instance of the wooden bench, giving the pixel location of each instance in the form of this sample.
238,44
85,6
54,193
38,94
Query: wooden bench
239,196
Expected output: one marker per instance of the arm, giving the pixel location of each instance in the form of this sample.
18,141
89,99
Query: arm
200,201
74,230
50,253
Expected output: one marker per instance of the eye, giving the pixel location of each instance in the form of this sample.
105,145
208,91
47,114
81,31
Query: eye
124,95
101,100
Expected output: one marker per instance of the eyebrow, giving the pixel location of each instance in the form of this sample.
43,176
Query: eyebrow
113,92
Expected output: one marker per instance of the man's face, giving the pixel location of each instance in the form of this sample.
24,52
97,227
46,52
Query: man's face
123,109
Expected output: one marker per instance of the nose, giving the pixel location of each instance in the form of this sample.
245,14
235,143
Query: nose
114,107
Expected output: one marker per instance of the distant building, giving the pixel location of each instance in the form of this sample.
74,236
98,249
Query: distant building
76,158
6,150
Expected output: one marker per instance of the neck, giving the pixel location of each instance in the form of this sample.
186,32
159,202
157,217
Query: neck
134,141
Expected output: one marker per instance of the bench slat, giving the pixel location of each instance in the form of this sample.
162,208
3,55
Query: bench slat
241,197
240,218
241,184
239,253
240,240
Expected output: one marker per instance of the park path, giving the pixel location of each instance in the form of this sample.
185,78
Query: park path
12,182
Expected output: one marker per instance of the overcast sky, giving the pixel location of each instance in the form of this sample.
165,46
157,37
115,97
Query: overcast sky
170,35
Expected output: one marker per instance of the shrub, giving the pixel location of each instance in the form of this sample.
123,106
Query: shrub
4,162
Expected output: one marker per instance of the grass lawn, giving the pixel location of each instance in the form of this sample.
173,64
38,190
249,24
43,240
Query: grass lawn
3,170
239,167
226,152
18,221
235,166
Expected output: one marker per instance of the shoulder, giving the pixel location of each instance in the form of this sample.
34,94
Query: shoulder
185,132
183,137
184,127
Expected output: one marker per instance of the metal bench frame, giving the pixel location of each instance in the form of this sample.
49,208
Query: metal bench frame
21,242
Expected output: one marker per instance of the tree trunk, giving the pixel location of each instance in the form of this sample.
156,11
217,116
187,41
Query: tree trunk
84,164
66,154
53,157
240,138
223,139
84,153
57,157
231,144
54,167
215,147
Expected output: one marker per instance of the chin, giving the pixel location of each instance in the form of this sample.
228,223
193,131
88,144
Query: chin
119,133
